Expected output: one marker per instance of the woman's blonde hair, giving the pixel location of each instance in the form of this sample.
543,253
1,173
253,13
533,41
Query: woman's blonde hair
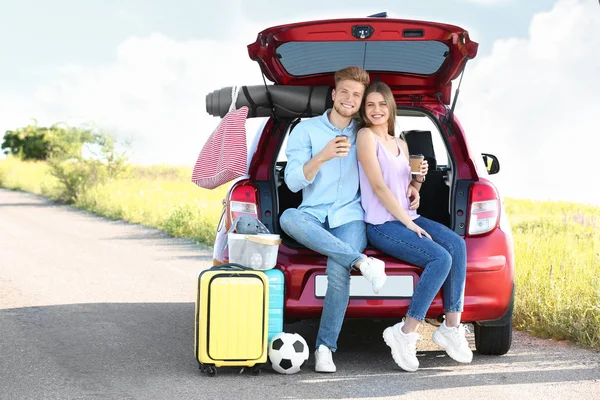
388,97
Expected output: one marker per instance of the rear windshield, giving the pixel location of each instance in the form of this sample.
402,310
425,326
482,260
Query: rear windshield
414,57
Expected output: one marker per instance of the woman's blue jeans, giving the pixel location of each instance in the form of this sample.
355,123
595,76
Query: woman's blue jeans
343,246
444,261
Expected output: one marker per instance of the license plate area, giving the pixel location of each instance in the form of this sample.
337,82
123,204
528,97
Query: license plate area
396,287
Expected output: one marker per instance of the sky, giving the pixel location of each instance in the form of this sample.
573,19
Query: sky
141,69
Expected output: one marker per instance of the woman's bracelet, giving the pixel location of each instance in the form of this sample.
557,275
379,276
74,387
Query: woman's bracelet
418,181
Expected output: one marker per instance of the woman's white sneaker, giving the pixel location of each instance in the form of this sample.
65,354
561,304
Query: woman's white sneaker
403,345
455,343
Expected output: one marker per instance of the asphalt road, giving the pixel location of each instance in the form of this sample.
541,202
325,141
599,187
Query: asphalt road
97,309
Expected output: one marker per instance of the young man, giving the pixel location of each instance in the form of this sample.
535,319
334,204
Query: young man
323,164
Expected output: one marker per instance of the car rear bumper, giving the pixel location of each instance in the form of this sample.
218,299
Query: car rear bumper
488,291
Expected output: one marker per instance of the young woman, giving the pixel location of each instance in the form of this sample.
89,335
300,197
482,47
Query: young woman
394,227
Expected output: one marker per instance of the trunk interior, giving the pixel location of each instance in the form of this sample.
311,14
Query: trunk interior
423,136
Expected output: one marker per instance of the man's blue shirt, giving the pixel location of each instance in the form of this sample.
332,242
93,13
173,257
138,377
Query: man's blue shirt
334,192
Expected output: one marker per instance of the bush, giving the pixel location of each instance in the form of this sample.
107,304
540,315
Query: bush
73,177
187,221
77,173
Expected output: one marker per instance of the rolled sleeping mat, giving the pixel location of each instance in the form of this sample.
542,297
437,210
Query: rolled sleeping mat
288,101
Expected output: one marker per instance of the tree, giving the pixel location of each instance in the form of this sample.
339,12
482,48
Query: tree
29,143
38,143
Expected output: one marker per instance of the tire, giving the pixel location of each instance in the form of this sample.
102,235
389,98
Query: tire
493,340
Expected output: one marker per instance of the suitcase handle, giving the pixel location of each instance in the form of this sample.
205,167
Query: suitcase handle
229,267
262,240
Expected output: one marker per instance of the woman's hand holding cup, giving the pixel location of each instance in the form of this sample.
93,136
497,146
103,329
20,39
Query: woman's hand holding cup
424,168
418,165
416,162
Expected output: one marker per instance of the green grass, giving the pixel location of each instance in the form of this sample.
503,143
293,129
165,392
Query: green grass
171,203
557,253
557,244
29,176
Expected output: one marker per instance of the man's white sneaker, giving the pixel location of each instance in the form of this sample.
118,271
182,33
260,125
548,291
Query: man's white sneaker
455,343
374,270
324,360
403,345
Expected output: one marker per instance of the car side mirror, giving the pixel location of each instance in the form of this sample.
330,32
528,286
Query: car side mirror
491,163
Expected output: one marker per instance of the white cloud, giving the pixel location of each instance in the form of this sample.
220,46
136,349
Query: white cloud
154,93
534,103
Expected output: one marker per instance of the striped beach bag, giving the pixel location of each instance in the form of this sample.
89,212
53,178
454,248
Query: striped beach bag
224,156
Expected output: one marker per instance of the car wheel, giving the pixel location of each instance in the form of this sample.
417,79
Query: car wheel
493,340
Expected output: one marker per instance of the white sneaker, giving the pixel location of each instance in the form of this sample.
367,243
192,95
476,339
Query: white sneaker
324,360
455,343
403,345
374,270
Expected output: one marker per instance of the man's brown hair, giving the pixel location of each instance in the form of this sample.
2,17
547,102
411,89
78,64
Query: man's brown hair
352,74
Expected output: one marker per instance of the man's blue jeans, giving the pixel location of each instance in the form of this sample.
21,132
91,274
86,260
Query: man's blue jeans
343,246
444,261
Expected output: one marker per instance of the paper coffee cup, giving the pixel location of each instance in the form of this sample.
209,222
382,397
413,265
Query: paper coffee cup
346,138
345,141
415,163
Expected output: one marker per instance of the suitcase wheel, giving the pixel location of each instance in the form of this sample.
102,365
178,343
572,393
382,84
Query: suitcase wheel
210,370
256,370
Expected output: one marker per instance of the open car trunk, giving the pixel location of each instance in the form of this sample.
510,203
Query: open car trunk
417,59
435,191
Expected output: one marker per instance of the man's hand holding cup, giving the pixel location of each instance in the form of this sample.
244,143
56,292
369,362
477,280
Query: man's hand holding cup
342,145
338,147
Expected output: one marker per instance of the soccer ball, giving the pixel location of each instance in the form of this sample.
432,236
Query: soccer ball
287,352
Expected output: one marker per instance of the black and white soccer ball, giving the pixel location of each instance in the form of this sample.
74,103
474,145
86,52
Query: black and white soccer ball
287,352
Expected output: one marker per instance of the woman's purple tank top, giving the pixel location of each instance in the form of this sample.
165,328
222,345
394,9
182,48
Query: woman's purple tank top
396,175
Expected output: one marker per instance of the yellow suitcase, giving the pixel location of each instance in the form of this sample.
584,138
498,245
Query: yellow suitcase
231,318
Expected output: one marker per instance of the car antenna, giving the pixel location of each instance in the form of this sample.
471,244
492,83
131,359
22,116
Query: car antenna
379,15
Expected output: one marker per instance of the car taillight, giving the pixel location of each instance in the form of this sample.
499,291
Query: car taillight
484,208
242,201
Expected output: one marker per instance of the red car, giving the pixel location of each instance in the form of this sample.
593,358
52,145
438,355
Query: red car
418,60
